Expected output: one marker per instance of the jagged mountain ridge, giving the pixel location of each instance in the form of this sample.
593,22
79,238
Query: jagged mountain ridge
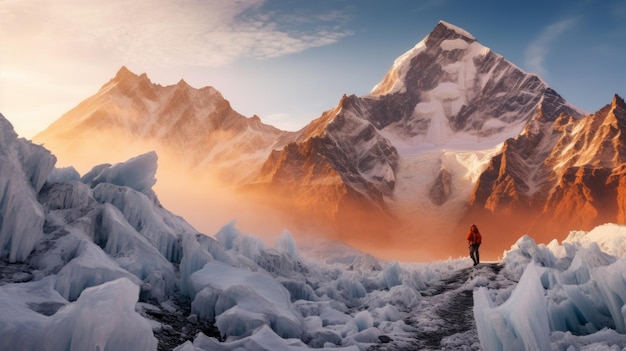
448,92
412,150
559,175
196,127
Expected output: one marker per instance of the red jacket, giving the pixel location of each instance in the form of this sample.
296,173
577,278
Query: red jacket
474,237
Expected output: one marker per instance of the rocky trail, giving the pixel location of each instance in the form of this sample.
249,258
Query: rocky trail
444,319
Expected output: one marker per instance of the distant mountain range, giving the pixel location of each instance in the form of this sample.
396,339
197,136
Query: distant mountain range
453,135
196,127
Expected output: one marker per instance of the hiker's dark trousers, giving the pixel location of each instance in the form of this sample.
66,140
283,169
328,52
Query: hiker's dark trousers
474,253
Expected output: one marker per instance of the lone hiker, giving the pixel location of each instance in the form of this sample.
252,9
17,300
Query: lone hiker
474,239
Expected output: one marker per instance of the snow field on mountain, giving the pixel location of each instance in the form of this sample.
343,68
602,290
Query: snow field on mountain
416,175
392,84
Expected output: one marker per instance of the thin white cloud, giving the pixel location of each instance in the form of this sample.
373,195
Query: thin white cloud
540,47
162,32
55,53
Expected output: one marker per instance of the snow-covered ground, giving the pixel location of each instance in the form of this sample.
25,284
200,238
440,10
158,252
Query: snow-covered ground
96,263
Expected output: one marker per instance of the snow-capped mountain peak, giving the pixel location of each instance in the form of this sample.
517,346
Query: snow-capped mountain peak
449,115
446,36
196,128
414,147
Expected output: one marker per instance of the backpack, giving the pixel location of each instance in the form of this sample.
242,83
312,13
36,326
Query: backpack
477,238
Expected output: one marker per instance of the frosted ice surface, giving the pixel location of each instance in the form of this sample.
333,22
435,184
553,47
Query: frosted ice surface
137,173
391,275
135,253
287,244
233,239
90,267
24,168
22,216
64,174
521,323
22,324
265,339
611,238
194,258
363,320
583,289
612,285
103,318
222,288
158,225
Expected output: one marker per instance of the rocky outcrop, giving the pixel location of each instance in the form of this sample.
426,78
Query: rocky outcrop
558,175
441,189
333,168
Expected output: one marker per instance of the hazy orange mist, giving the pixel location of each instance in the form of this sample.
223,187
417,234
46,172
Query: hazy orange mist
208,204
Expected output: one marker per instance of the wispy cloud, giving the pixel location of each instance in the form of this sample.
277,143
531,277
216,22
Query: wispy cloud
541,46
54,53
165,32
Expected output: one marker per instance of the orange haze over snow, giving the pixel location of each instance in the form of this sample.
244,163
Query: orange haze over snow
208,204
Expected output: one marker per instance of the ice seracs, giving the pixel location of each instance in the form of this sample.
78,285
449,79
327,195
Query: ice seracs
24,167
513,325
110,267
569,295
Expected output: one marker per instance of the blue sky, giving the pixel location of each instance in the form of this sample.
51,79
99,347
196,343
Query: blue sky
285,60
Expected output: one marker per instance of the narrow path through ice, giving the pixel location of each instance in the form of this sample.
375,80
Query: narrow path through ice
445,320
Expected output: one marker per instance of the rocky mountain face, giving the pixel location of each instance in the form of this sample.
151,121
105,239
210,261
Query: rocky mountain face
339,162
454,134
196,128
386,154
558,175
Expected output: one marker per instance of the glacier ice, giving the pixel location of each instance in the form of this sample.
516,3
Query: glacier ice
576,291
233,295
137,173
232,239
103,318
117,326
94,260
265,339
22,328
64,174
363,320
521,323
143,214
90,267
287,244
24,168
